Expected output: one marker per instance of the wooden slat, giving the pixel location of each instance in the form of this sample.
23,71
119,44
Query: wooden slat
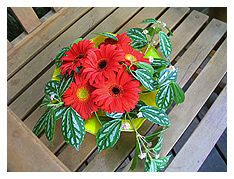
192,62
94,164
114,21
36,41
9,45
35,92
184,33
199,50
147,12
34,67
56,9
201,142
27,18
195,97
25,152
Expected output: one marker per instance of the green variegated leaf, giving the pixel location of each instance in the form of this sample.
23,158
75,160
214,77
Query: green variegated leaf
158,146
50,125
115,115
108,35
179,95
138,44
136,34
156,165
169,30
164,97
64,85
149,20
108,134
159,62
45,101
151,31
59,111
165,44
73,128
155,115
166,76
61,53
146,79
51,88
145,66
135,159
41,122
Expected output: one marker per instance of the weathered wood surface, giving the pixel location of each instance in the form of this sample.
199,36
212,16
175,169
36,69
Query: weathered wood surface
27,18
203,139
25,152
29,70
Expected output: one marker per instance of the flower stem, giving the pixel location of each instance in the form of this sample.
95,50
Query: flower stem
132,124
97,117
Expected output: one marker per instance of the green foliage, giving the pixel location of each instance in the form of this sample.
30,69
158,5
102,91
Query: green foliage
146,79
46,100
50,124
73,128
146,66
179,95
135,159
155,115
156,165
108,35
165,44
136,34
51,88
108,134
158,146
159,62
40,123
152,136
64,85
149,20
115,115
166,76
61,53
47,120
164,97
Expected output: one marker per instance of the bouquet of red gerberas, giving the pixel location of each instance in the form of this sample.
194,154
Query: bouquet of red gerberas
113,83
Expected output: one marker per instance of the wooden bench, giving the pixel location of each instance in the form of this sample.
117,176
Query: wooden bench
199,50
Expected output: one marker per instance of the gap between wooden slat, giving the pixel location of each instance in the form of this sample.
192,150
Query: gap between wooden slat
190,57
197,148
27,18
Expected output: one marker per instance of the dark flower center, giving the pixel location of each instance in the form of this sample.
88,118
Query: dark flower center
115,90
102,64
80,56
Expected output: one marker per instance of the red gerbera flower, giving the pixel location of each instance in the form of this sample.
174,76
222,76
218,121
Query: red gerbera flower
119,93
132,55
123,38
101,62
79,96
76,55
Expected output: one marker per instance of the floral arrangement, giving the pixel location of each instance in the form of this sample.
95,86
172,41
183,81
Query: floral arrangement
113,83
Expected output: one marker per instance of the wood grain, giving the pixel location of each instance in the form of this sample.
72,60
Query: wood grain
36,41
43,59
25,152
203,139
27,18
